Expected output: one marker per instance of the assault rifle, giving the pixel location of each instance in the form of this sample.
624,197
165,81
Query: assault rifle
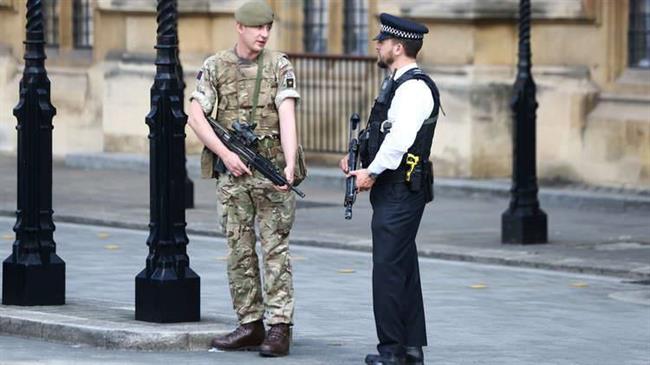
242,140
353,157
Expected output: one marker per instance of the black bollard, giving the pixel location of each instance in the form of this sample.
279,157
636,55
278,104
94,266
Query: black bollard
189,184
524,221
167,290
33,274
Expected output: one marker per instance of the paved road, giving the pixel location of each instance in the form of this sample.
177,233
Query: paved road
462,226
476,314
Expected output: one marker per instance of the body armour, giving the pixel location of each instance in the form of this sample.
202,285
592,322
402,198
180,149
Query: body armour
373,136
225,87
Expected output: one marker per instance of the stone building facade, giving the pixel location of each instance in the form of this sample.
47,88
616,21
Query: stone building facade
590,63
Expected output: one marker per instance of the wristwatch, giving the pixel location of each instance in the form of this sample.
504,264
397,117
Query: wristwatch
373,176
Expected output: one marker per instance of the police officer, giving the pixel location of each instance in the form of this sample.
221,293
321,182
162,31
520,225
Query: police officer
395,147
226,86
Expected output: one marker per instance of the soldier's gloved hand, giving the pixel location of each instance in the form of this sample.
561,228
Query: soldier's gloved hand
235,165
288,174
343,164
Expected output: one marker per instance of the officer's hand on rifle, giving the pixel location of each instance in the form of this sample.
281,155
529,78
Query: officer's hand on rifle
343,164
234,164
364,181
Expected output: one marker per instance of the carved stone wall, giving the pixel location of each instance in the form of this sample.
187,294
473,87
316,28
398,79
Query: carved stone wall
593,117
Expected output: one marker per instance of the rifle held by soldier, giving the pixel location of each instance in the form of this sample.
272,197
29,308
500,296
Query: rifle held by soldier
242,141
353,157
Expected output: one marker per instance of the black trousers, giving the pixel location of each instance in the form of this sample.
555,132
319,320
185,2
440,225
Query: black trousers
396,289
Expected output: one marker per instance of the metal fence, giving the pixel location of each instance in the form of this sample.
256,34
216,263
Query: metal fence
332,87
639,34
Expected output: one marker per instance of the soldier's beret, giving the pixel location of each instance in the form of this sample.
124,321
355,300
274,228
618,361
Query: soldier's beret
396,27
254,13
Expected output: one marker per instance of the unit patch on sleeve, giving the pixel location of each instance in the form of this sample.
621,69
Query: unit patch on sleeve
289,80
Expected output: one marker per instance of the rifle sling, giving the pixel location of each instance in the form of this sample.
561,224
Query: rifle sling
256,94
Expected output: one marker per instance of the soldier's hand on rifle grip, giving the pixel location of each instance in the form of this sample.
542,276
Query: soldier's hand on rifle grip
289,172
234,164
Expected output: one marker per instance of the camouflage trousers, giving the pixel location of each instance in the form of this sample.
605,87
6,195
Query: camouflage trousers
244,201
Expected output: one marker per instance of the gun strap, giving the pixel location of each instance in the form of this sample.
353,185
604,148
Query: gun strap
256,94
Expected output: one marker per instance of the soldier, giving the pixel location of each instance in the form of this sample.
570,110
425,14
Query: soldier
227,82
394,150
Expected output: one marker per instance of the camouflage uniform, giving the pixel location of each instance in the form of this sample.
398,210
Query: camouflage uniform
228,82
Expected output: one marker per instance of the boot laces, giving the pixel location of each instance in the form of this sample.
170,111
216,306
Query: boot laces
276,333
238,331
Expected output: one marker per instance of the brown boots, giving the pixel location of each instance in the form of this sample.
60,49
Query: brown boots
277,342
247,337
251,337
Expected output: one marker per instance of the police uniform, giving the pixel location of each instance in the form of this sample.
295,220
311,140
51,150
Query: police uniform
395,148
225,86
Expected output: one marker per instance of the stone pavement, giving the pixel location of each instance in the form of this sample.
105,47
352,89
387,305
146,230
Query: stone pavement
475,313
590,231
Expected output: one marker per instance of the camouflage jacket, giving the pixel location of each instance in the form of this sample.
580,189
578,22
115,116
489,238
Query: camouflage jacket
228,82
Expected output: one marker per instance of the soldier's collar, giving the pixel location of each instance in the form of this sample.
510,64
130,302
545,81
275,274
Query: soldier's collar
244,61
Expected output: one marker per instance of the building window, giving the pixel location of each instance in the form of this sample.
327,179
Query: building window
639,34
51,22
315,26
355,35
82,24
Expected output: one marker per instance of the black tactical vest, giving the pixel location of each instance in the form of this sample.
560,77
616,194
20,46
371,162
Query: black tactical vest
372,137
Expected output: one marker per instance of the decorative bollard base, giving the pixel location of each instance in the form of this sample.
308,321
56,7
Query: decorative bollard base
26,284
524,228
168,301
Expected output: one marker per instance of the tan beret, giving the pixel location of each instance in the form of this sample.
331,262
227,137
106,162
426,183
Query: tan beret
254,13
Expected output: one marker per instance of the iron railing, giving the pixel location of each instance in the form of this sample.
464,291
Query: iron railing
331,88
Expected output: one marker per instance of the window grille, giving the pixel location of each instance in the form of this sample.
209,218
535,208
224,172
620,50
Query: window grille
315,26
51,22
355,34
639,34
82,20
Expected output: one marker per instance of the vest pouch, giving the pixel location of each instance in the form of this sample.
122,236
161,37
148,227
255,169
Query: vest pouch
370,140
375,138
207,162
211,165
300,173
363,148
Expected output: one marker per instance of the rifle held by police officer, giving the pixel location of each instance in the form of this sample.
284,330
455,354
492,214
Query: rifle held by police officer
353,157
242,141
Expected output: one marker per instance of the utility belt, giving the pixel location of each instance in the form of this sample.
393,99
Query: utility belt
414,172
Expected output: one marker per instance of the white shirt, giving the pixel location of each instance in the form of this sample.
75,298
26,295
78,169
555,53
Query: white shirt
410,107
